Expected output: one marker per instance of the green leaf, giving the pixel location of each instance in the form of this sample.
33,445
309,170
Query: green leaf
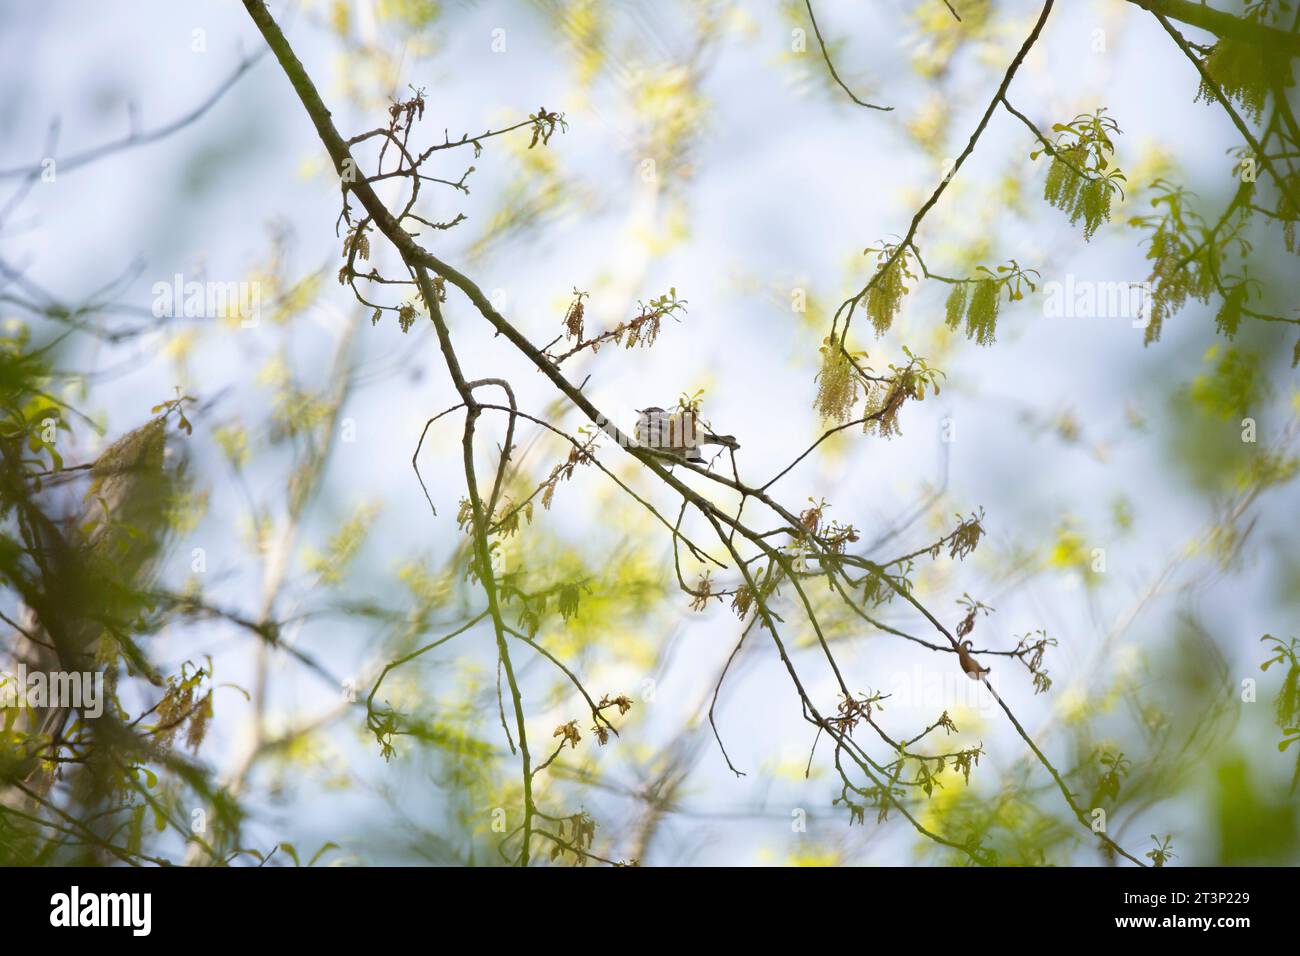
325,848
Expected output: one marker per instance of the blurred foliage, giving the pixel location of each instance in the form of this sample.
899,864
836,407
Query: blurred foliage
271,634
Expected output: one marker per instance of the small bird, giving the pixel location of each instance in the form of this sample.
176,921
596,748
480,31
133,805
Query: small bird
677,435
971,666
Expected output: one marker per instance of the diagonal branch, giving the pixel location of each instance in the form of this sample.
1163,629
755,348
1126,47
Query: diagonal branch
831,66
1237,121
135,138
998,97
1225,25
420,261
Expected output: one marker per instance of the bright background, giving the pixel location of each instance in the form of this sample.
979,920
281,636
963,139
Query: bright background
1069,433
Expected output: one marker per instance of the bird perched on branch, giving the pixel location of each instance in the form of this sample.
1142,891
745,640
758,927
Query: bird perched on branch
677,435
971,666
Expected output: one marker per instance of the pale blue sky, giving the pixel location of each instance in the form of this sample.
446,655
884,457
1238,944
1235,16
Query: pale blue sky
790,184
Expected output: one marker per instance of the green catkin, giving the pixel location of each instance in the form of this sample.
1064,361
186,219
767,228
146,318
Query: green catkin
1092,205
979,308
1061,184
1241,73
982,313
956,305
1288,699
886,296
837,388
1175,278
1229,315
1080,197
1169,283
